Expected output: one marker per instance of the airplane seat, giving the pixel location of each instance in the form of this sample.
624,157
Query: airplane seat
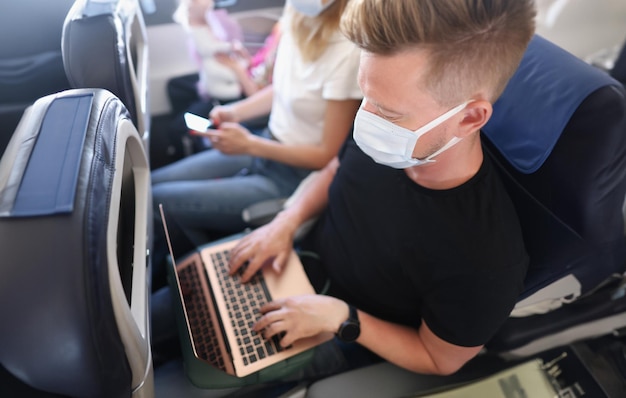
30,64
105,45
263,212
75,208
558,136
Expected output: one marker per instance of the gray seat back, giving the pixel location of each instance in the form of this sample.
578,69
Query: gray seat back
74,220
104,45
30,60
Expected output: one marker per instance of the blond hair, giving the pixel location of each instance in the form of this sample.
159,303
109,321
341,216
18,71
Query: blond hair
312,34
472,45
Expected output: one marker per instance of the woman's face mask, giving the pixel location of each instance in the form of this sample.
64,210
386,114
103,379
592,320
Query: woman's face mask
391,145
311,8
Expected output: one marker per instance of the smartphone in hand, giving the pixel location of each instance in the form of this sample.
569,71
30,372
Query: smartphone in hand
197,123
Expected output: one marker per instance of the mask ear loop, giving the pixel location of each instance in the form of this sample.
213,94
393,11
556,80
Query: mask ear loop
455,140
434,123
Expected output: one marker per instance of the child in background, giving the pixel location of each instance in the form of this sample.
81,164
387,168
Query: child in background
211,33
255,72
226,70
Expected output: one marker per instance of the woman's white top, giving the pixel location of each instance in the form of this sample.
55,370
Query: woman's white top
301,89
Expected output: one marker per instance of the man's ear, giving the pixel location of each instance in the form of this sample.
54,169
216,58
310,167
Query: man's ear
476,114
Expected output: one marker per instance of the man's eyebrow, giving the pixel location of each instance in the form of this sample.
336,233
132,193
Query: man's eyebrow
384,110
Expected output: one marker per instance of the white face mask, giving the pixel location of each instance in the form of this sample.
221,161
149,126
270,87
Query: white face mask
391,145
311,8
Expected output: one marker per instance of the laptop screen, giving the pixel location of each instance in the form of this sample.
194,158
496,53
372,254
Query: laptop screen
179,242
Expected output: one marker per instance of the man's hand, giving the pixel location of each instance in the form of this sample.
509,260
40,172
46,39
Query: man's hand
299,317
271,243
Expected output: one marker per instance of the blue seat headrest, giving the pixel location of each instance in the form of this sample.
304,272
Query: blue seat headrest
538,102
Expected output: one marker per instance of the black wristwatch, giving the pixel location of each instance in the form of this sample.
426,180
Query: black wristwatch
350,330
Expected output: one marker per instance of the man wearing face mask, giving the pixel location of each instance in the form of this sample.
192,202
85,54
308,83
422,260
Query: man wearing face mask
418,242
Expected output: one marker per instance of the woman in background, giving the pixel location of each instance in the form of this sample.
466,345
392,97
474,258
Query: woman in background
226,70
312,103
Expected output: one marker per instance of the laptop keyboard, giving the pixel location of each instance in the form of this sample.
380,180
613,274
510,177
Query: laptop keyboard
243,310
202,330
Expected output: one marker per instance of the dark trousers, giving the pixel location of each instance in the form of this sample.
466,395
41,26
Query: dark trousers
183,97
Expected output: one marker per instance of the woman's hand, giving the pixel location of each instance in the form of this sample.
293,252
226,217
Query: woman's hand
299,317
269,244
223,113
229,61
240,51
231,139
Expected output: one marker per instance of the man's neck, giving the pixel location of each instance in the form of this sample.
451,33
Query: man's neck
451,169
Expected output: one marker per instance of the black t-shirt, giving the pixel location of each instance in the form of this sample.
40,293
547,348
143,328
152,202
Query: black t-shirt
403,253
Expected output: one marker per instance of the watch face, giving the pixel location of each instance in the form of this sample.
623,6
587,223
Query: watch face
349,331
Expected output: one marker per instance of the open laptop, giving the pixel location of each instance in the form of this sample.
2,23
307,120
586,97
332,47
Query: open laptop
220,311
